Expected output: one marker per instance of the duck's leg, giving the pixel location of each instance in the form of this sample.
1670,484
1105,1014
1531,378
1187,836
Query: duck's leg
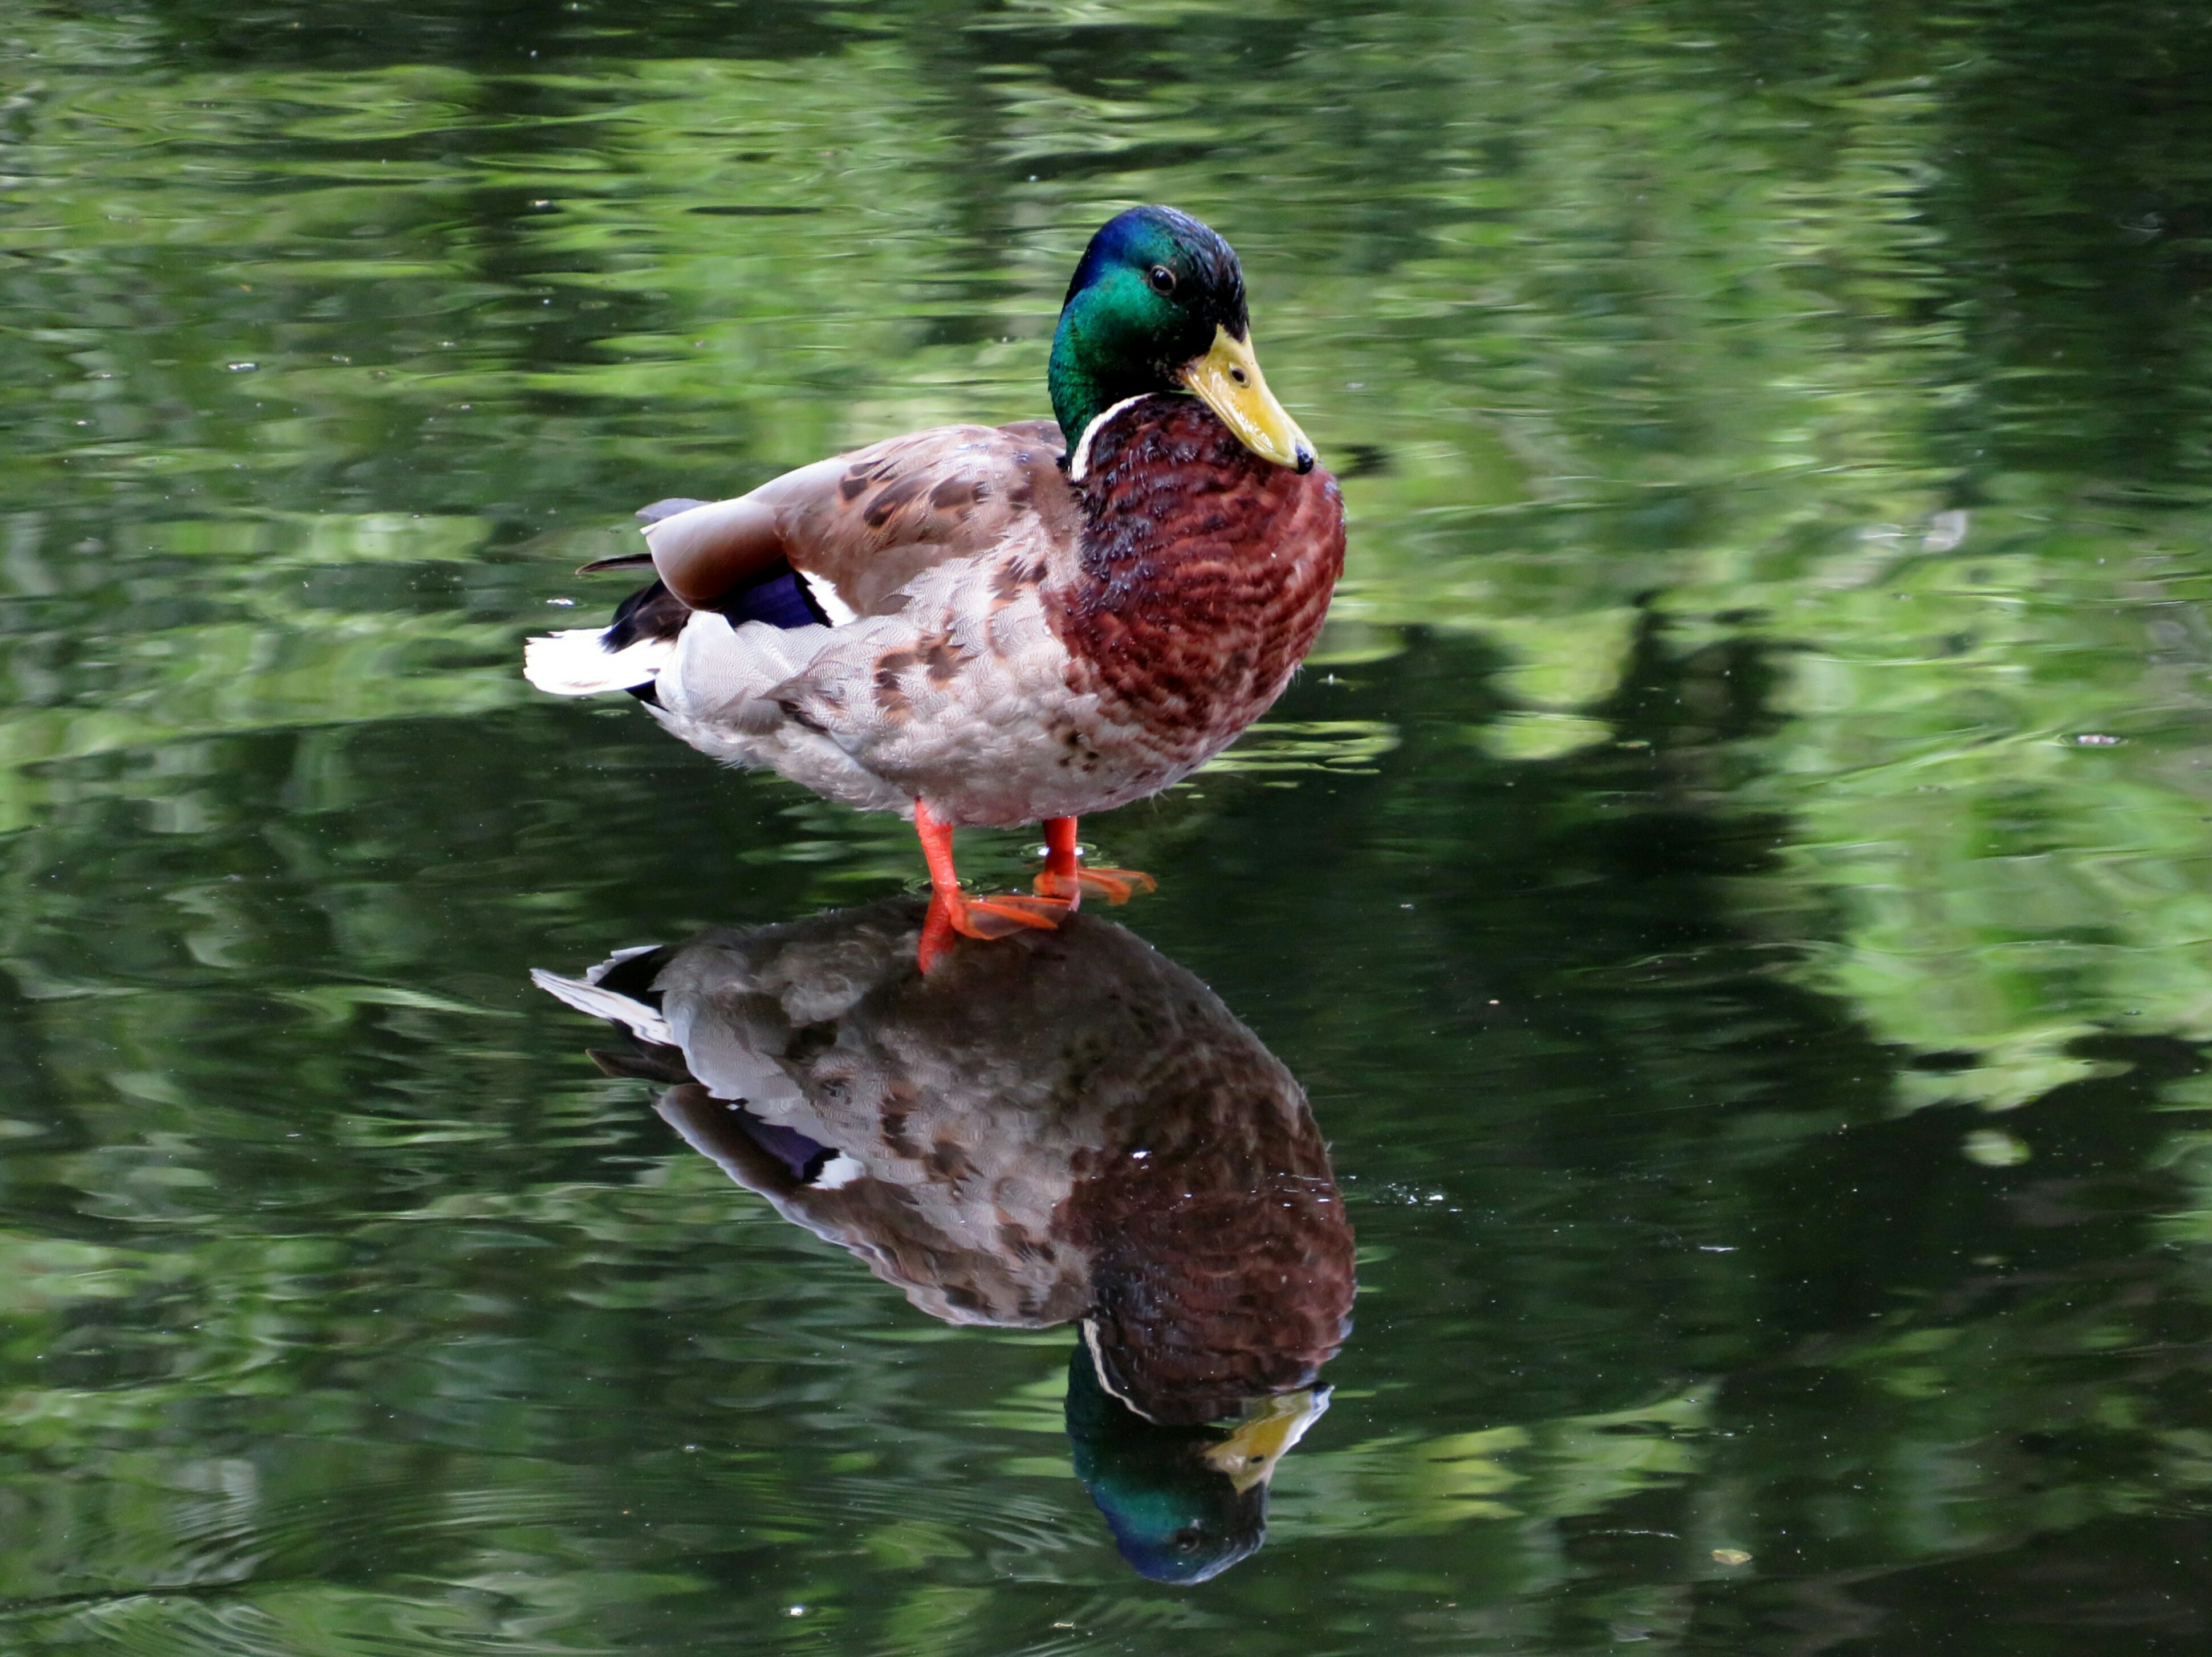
1064,874
951,911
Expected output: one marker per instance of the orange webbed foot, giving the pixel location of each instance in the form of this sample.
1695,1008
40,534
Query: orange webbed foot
1065,876
956,914
1003,916
1058,890
1115,885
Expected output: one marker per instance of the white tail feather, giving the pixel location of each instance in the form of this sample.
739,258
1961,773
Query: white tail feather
576,664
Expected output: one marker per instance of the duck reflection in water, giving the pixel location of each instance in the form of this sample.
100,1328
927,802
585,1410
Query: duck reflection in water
1060,1126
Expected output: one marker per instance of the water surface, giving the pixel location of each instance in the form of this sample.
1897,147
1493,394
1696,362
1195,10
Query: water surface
1732,885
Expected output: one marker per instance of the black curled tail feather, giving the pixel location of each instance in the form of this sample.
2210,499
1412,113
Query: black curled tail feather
652,612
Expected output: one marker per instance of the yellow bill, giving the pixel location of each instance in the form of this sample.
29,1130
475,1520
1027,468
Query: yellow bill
1248,1456
1228,377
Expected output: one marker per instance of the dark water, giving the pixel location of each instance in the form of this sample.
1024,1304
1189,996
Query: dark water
1733,885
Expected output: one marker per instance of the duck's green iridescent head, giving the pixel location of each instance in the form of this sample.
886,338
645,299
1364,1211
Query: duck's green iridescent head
1158,305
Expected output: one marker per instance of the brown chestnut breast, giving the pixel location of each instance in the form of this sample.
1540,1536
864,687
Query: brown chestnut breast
1203,574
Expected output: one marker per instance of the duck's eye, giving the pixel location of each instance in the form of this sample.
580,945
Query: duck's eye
1162,278
1186,1539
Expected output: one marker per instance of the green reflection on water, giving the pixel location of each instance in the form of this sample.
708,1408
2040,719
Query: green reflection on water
1775,443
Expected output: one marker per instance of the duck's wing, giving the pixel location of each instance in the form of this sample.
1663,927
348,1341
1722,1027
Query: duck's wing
860,526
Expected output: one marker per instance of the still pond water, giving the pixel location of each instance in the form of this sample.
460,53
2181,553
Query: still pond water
1733,886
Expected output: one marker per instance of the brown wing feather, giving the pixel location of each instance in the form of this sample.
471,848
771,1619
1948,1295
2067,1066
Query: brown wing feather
870,521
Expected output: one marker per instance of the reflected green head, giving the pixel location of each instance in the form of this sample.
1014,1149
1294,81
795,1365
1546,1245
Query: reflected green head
1175,1518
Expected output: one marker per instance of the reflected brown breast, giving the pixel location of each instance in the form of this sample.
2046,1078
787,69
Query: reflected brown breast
1221,1259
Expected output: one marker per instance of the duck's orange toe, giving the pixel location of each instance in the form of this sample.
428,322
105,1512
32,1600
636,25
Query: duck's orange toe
1002,917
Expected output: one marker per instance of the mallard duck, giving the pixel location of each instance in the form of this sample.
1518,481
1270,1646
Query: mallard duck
978,625
1067,1128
